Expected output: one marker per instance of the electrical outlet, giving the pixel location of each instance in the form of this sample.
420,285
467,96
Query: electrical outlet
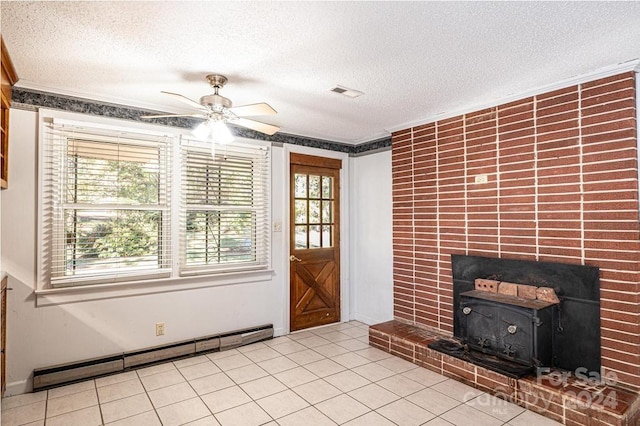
277,226
159,329
482,179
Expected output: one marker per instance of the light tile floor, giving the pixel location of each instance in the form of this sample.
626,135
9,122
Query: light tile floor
325,376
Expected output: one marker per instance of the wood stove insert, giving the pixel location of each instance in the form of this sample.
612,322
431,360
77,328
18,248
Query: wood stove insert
516,329
513,335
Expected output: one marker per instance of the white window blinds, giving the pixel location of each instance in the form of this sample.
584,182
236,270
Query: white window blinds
224,208
106,204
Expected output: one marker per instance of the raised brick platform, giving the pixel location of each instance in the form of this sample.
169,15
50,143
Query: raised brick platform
568,400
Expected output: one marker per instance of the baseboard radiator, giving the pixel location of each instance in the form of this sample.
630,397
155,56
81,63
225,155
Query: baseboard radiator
48,377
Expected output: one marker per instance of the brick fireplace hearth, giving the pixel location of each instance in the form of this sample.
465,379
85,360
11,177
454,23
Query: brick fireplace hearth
569,400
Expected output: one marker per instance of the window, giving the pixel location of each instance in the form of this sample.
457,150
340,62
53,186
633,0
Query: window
224,208
110,212
313,211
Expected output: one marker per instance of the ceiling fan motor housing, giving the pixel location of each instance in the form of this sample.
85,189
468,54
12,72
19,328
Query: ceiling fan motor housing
215,102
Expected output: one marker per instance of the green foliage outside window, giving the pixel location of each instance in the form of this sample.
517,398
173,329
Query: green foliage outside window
101,222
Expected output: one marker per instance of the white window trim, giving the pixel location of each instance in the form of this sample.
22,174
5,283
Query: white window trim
261,246
58,296
163,283
53,152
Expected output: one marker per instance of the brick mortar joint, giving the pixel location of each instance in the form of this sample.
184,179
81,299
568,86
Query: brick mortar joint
402,341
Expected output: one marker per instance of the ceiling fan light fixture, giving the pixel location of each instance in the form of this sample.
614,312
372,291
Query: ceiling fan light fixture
220,133
214,130
202,131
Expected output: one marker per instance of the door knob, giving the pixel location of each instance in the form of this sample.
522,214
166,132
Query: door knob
294,258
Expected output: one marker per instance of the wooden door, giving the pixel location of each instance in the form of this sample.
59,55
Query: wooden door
315,241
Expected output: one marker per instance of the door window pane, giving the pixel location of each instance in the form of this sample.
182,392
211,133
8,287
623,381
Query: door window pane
314,236
314,186
326,236
314,211
301,237
301,186
301,211
327,185
326,212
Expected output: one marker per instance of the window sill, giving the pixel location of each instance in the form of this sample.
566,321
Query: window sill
60,296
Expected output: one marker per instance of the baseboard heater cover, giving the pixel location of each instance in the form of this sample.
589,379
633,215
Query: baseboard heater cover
158,353
66,373
62,374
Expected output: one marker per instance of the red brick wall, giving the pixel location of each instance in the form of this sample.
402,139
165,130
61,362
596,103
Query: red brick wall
562,186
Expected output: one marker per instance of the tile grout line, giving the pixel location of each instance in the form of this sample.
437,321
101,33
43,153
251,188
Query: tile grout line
197,395
95,388
46,418
46,405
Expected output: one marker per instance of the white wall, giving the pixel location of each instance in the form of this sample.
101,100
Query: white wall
371,238
42,336
48,335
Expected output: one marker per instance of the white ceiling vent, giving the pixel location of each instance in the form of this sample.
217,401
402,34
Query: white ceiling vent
345,91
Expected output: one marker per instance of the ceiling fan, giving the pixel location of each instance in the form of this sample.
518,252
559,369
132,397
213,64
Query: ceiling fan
217,111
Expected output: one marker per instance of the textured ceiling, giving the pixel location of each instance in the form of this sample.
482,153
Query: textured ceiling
412,60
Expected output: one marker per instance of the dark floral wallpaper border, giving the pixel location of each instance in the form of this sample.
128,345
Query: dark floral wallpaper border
68,103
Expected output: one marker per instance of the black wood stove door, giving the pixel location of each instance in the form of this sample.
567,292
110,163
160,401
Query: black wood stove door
515,333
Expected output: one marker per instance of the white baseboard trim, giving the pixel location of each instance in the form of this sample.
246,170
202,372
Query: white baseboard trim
369,320
19,387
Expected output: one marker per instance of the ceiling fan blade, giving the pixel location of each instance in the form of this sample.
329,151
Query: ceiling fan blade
174,115
186,100
265,128
253,109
